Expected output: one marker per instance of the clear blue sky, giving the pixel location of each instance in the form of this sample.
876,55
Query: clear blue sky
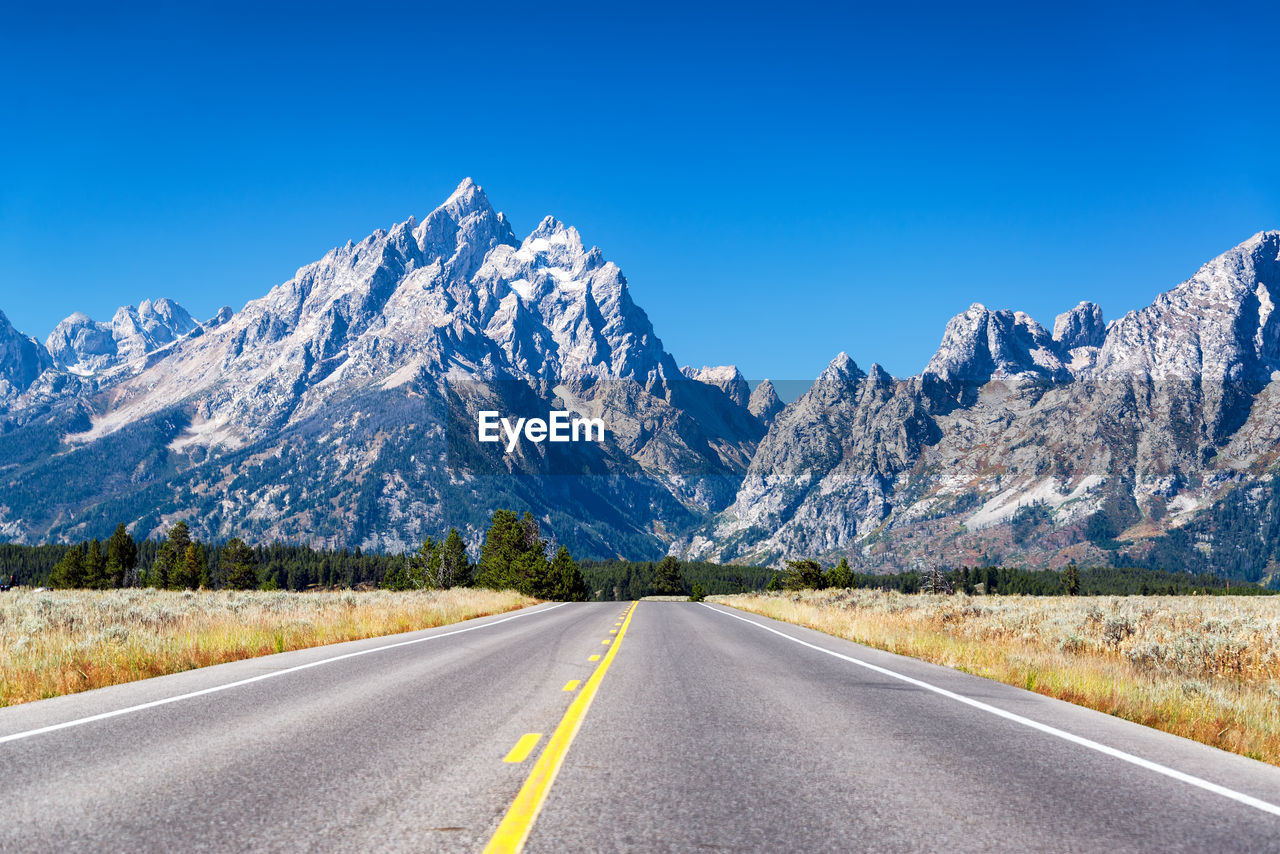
778,182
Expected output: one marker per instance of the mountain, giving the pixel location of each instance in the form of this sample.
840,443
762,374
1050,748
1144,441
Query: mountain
764,402
980,344
22,361
727,378
1095,443
341,407
84,346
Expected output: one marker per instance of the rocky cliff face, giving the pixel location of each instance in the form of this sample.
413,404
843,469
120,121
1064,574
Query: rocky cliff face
22,361
827,469
1216,333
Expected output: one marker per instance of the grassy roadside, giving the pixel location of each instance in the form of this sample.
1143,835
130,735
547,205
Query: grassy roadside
1201,667
63,641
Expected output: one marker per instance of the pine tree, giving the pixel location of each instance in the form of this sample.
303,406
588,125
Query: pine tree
533,574
68,573
569,584
455,566
397,577
195,568
238,560
803,575
179,540
1071,579
96,576
531,535
667,580
841,575
122,558
164,568
424,566
499,552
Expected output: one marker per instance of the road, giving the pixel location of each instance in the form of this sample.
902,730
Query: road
666,726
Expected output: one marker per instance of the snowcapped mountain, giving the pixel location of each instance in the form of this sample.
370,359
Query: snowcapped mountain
83,346
1096,443
980,344
341,408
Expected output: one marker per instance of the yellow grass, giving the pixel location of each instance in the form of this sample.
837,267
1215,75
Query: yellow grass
61,642
1201,667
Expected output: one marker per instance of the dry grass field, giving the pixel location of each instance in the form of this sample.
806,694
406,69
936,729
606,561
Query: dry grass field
62,641
1202,667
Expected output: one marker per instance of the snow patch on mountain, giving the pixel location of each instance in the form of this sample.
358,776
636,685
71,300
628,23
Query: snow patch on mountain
1049,492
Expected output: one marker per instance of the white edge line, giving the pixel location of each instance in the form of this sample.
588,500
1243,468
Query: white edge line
1247,800
216,688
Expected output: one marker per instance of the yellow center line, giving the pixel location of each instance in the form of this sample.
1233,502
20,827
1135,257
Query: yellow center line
571,685
594,658
523,747
513,832
605,641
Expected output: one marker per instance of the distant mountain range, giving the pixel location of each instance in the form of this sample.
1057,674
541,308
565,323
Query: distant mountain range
340,409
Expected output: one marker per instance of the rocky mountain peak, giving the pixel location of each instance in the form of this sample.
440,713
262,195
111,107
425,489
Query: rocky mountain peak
224,314
1218,325
727,378
460,232
582,300
466,201
1082,326
85,346
979,344
842,364
878,376
838,379
764,402
79,343
22,360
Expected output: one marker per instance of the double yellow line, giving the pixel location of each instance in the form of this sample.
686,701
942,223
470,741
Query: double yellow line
513,832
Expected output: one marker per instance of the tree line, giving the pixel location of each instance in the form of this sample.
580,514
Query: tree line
996,580
514,555
625,580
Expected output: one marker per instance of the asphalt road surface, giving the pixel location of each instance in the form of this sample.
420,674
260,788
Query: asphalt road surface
669,726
